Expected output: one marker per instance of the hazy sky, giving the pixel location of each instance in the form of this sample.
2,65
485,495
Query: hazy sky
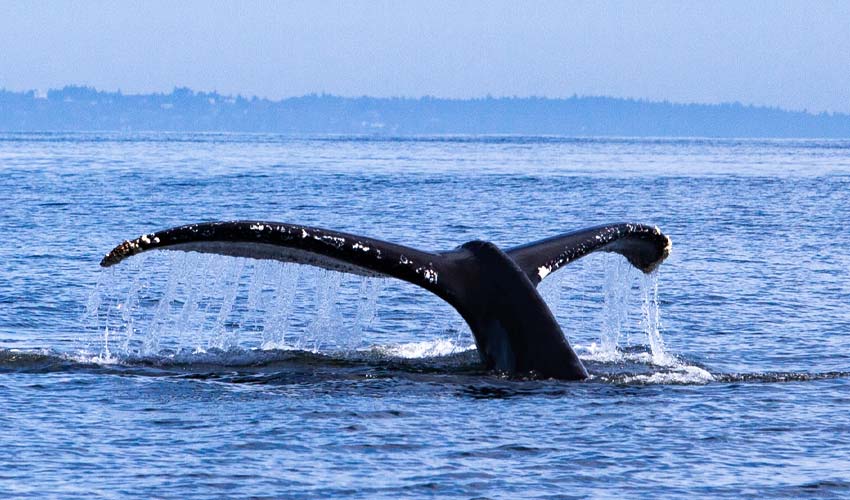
790,54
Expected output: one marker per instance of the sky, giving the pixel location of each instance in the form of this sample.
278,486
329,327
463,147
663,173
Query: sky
793,55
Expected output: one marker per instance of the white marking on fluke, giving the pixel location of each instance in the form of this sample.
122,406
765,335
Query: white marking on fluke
332,240
429,274
543,271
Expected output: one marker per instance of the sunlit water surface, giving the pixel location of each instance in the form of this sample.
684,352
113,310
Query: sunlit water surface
726,375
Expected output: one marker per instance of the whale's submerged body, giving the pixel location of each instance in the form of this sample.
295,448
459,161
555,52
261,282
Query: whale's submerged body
493,290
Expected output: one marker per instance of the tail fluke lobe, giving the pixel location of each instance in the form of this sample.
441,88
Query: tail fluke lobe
306,245
645,247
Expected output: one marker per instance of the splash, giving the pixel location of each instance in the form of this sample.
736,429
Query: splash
678,373
424,349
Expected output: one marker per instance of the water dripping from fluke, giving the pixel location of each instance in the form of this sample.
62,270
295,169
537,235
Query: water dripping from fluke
195,304
174,305
630,347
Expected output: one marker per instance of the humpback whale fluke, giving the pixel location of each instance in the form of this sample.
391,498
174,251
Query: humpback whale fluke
493,290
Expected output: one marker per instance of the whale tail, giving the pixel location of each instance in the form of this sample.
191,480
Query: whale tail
493,290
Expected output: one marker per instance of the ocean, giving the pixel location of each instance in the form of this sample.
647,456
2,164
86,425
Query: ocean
725,374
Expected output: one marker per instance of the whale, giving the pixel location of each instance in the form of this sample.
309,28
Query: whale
493,290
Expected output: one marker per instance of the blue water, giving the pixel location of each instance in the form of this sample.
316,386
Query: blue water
189,376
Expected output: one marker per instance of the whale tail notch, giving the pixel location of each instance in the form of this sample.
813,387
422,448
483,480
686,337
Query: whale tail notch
493,290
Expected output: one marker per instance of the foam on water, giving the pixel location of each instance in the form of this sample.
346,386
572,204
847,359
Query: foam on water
677,374
425,349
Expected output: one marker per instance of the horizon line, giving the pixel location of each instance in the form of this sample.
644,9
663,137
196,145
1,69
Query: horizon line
42,94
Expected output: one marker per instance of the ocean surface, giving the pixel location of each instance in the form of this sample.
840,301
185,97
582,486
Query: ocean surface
726,374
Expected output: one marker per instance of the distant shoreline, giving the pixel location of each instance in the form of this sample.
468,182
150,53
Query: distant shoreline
231,136
83,109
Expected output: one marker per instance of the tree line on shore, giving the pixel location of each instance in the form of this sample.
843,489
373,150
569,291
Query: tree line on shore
76,108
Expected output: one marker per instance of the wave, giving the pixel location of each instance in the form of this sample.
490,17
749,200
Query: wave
633,366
